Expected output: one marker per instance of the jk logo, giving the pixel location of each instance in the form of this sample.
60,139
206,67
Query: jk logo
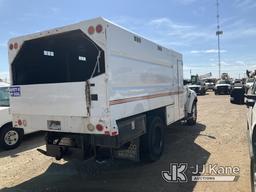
176,173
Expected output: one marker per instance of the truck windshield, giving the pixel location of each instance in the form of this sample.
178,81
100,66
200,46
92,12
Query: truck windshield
66,57
209,81
4,97
250,80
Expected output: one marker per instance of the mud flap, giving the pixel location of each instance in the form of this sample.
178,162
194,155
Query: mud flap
131,152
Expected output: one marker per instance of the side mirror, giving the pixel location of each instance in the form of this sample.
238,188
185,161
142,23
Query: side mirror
250,100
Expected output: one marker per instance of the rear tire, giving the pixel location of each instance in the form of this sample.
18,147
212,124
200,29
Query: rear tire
153,141
10,137
192,117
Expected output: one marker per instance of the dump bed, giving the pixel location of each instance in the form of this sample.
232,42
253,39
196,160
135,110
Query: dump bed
83,78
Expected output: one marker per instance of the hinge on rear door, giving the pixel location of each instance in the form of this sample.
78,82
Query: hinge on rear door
88,96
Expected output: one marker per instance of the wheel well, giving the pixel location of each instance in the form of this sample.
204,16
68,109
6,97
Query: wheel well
254,138
254,133
6,125
10,124
160,112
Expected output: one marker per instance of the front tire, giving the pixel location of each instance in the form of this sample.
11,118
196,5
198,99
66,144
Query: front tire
192,117
10,137
153,141
253,171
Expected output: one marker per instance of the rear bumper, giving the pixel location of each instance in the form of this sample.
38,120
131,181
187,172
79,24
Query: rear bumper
210,86
84,146
65,124
222,90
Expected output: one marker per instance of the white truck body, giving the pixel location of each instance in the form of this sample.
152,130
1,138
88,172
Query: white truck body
5,115
128,75
10,137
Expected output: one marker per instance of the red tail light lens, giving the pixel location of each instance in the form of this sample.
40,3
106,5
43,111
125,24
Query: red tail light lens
99,127
91,30
19,122
11,46
114,133
99,28
16,45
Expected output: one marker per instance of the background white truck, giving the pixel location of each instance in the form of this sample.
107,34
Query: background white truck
98,89
10,137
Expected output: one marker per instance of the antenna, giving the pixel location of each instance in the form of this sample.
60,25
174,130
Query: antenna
218,33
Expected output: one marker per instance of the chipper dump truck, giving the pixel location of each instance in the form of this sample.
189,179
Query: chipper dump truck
96,88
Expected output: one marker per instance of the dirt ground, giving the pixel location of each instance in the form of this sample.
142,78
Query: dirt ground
218,138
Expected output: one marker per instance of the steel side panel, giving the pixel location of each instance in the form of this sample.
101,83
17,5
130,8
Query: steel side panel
170,114
136,107
61,99
141,70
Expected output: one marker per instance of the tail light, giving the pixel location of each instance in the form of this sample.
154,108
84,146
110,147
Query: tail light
91,30
99,28
11,46
16,45
114,133
19,122
99,127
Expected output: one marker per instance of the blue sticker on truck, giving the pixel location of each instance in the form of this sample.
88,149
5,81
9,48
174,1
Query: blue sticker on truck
15,91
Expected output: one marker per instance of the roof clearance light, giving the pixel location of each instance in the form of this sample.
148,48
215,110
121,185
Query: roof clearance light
99,28
11,46
16,45
91,30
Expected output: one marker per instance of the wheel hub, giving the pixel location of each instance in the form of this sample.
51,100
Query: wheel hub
11,137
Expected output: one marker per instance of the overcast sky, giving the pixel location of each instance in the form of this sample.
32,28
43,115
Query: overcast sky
187,26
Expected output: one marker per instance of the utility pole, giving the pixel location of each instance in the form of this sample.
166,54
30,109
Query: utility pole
218,33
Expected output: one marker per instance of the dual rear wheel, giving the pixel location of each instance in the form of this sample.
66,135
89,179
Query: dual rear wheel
152,143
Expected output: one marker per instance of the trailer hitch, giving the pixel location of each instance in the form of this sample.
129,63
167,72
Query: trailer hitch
54,152
42,151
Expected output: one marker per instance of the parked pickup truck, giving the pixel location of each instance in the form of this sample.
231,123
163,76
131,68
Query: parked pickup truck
10,137
199,88
210,84
222,87
97,88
